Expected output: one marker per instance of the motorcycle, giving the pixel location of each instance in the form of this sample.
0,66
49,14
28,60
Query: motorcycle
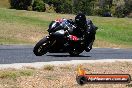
61,40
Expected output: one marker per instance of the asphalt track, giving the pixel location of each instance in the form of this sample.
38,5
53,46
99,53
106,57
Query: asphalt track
10,54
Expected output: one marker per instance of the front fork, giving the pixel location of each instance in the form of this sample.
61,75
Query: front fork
51,40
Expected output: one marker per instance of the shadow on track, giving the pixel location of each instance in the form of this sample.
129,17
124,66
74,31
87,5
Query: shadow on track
67,56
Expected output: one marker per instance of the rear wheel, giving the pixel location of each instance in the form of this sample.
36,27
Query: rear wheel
75,52
41,47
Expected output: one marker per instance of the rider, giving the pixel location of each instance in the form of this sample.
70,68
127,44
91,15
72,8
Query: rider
82,27
85,27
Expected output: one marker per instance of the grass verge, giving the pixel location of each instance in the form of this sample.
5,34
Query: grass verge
28,27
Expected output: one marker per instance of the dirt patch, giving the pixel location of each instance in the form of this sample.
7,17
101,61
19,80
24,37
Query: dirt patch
64,76
15,32
105,44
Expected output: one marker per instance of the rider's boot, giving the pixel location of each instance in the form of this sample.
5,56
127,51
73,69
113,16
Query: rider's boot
87,49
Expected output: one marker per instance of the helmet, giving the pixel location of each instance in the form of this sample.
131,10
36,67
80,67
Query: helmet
80,20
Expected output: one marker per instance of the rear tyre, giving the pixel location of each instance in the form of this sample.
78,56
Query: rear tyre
75,52
41,47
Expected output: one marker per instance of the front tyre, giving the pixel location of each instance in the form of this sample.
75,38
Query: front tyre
41,47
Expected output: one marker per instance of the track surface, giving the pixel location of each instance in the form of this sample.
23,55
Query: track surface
10,54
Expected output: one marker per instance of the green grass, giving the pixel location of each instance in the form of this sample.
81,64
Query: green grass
14,16
14,74
9,77
19,26
115,30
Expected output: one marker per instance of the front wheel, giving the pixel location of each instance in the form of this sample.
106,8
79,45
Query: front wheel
41,47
